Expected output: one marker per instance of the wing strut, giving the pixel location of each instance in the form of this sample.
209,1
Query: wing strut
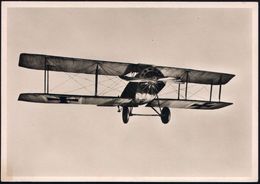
219,94
46,77
210,92
96,80
179,85
186,89
44,80
220,86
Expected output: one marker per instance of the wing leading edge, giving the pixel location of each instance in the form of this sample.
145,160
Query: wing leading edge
88,66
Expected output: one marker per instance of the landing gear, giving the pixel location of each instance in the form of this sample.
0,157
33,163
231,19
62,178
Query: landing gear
165,115
125,114
165,112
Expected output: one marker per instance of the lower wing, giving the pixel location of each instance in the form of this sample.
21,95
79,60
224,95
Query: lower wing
75,99
187,104
118,101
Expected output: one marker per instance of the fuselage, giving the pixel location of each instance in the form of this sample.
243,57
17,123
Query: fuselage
144,86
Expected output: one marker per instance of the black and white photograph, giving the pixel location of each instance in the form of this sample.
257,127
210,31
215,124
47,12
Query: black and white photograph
129,91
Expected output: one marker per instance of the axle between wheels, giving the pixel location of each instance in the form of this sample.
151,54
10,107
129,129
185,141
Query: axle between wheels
165,114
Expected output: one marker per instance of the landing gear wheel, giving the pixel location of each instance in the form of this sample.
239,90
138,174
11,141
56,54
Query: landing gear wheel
165,115
125,114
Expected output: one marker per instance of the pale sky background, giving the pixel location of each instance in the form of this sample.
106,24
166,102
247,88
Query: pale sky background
80,140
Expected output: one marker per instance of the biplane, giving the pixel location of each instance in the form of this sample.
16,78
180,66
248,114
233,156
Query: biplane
144,83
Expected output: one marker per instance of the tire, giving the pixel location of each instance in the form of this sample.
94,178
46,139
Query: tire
165,115
125,114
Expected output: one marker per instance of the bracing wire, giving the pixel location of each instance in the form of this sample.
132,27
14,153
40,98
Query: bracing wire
71,77
116,85
60,84
77,82
196,92
74,90
191,86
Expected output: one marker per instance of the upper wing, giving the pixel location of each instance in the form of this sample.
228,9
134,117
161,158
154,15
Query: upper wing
74,65
88,66
74,99
196,76
188,104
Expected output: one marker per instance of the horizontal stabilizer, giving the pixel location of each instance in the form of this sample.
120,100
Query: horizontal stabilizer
188,104
74,99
